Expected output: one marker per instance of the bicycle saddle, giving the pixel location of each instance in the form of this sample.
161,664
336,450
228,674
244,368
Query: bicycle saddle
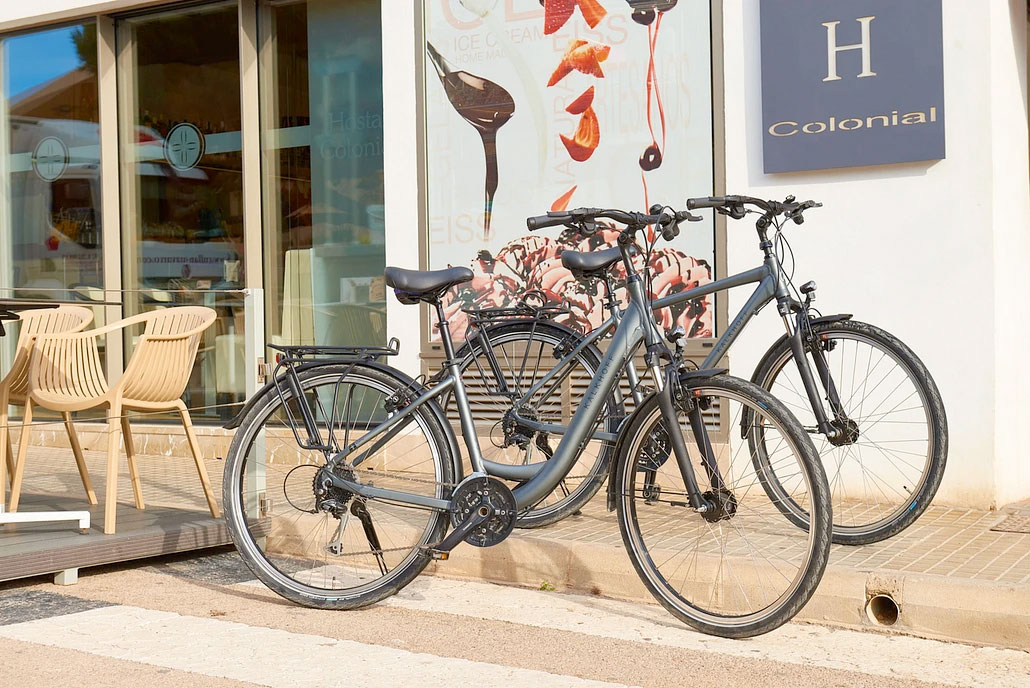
593,261
412,286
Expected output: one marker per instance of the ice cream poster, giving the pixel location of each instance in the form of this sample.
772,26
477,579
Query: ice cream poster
536,105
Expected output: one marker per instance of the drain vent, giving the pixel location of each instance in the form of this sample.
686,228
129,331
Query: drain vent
1016,522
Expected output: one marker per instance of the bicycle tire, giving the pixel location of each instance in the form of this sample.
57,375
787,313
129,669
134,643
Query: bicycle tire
246,531
550,334
858,522
674,522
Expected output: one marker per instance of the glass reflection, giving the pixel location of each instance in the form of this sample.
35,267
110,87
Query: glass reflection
322,141
50,233
182,190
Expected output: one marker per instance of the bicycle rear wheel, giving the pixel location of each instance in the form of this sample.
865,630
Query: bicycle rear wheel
523,351
364,550
887,472
740,569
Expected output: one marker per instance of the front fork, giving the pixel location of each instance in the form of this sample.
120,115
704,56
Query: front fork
667,385
799,335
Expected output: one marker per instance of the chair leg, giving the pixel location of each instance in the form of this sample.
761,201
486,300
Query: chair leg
130,453
7,465
73,438
184,414
19,465
10,454
111,497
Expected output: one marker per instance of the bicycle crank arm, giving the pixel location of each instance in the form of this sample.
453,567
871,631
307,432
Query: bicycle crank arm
443,548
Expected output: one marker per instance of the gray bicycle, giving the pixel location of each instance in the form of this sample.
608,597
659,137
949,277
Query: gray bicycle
344,475
861,393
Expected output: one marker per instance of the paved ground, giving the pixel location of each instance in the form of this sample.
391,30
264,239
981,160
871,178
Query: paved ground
201,621
954,574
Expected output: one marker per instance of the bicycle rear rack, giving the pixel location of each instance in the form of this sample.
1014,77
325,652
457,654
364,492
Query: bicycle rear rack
291,358
524,310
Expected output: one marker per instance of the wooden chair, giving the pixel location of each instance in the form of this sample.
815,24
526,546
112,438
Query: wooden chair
65,375
14,386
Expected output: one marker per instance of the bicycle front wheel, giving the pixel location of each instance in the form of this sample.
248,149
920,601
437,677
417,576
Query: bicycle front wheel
740,569
890,463
363,549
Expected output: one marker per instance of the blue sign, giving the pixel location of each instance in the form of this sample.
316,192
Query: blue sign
851,82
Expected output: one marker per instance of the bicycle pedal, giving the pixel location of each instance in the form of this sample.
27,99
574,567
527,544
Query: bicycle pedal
438,555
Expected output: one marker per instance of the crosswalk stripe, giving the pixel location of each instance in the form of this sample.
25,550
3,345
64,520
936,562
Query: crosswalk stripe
867,653
265,656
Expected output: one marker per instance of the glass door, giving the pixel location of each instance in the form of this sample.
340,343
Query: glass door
182,191
322,169
50,232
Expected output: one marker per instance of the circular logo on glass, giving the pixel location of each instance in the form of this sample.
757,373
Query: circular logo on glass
184,146
50,159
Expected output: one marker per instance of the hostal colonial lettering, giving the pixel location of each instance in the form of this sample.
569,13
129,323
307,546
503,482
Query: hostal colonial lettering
846,124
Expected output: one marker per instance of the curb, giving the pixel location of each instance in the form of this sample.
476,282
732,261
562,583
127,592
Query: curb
938,607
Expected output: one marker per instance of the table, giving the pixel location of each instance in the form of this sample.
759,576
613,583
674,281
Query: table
9,309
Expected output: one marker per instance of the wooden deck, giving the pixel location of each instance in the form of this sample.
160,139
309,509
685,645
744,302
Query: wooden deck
176,518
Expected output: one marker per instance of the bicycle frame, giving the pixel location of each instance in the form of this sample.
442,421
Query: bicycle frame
635,326
770,288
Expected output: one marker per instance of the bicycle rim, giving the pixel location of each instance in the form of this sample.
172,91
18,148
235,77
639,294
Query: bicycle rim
750,569
879,478
363,552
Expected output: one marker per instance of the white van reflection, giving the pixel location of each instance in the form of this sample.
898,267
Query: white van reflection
56,222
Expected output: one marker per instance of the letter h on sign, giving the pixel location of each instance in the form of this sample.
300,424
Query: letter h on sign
832,49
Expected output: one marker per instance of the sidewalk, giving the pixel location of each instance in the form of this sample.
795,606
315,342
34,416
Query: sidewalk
951,575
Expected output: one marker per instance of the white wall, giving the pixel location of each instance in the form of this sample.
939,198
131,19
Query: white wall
400,163
936,253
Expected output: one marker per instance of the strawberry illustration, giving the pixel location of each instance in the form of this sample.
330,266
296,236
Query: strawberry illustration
579,105
582,56
558,12
588,134
562,202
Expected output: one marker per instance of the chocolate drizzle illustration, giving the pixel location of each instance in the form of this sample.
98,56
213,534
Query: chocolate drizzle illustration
484,105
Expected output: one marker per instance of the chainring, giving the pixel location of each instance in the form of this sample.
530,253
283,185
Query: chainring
478,491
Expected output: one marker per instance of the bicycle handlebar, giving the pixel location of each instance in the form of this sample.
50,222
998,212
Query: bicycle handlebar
734,206
582,220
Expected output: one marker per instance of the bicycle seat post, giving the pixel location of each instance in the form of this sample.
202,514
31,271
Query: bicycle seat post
445,332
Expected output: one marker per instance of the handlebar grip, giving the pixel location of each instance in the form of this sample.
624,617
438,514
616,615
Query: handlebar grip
710,202
549,220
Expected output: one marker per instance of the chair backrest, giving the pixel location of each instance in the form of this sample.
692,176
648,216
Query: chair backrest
162,362
36,322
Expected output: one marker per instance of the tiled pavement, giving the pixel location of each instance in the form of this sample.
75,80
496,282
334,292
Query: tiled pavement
945,541
945,546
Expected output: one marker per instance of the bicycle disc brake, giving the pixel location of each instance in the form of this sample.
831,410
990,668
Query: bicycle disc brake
480,491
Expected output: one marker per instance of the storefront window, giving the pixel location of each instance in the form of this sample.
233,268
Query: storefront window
182,192
322,143
531,109
50,234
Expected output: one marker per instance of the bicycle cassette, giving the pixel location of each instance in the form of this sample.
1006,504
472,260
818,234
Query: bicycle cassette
479,491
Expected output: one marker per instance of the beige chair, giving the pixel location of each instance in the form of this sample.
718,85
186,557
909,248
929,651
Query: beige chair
65,375
13,387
